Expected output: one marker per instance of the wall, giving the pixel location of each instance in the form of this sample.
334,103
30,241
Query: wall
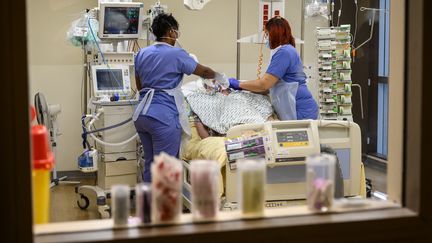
396,91
55,66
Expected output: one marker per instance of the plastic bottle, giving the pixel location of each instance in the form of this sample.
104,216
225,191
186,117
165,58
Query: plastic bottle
166,189
120,204
204,182
43,162
251,182
143,202
320,176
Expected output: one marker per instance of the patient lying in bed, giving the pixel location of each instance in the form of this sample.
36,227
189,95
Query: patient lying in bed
212,115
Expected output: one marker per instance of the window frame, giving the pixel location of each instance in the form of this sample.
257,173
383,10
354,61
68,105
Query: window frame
411,223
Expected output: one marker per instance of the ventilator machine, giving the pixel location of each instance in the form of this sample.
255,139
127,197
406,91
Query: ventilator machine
108,35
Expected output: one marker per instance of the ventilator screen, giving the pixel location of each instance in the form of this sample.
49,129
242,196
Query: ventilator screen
109,79
121,20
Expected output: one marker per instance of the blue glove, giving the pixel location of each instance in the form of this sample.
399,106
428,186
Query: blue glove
234,84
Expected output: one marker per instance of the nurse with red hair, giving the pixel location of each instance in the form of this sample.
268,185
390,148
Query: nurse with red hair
284,78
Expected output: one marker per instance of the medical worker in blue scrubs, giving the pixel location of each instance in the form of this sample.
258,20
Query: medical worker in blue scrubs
284,78
160,118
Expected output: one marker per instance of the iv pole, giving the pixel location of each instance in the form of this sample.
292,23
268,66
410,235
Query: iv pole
238,38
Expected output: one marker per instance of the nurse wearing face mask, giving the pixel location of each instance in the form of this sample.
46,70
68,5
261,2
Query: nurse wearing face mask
284,78
160,118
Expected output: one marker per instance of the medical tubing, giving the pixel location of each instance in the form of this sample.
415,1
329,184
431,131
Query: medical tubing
339,12
356,24
260,59
84,134
106,143
113,144
97,44
371,32
102,55
109,127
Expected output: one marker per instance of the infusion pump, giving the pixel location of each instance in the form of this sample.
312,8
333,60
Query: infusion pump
285,143
291,143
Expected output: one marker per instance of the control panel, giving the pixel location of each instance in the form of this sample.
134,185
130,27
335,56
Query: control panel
267,10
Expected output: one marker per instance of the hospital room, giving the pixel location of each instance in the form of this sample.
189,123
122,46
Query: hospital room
169,119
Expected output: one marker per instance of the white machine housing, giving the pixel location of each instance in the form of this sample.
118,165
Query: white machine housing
137,8
286,179
291,143
111,79
117,164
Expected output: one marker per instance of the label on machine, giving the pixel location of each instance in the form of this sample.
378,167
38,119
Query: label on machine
289,139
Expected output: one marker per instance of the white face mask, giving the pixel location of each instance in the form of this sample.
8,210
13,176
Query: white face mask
177,42
177,32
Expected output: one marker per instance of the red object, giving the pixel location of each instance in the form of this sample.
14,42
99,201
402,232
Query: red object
32,113
266,6
277,12
43,158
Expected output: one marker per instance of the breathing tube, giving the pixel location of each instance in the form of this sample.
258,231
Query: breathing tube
87,131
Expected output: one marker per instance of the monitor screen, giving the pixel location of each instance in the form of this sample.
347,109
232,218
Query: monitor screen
109,79
121,20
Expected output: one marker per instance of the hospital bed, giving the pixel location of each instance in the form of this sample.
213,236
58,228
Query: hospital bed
286,178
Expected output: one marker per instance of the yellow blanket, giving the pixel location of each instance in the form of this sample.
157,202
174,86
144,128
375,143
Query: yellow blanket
211,148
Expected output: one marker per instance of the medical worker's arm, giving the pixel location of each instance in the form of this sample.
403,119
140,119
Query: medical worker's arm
189,66
260,85
204,72
279,64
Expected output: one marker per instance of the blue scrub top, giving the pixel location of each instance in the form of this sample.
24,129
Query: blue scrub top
162,66
286,65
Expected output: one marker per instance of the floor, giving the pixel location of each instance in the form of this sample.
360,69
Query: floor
64,202
378,178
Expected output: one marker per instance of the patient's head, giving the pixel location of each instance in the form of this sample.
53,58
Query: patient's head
225,92
216,88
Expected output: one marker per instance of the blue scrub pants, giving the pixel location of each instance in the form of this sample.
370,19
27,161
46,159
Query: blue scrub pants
157,137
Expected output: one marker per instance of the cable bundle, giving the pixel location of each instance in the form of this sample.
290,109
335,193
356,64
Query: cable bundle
260,58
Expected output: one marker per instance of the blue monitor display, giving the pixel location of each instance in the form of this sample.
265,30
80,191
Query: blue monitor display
109,79
121,20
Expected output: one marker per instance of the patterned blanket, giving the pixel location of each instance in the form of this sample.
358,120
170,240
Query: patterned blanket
220,112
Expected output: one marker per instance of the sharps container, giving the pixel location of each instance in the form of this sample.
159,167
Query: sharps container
43,162
120,196
320,176
204,183
143,202
251,183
